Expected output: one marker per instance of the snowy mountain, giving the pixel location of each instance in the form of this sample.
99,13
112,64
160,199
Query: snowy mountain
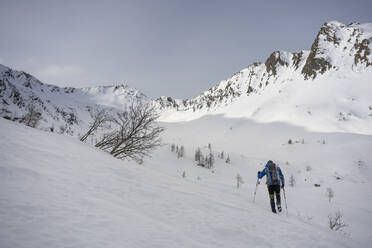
63,109
310,112
326,89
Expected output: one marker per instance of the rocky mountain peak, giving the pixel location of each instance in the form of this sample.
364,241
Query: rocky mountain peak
275,59
338,45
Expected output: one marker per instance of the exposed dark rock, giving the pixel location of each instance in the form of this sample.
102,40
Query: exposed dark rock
330,35
69,90
69,118
27,84
16,96
313,63
2,86
250,90
297,57
362,53
273,61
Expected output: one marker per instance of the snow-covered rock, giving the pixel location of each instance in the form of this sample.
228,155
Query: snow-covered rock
64,109
328,88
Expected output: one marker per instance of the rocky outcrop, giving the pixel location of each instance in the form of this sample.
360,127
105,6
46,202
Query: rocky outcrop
273,62
316,63
362,52
297,58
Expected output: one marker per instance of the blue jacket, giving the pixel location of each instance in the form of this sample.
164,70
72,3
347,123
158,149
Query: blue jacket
266,173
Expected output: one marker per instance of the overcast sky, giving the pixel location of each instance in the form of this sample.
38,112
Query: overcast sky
175,48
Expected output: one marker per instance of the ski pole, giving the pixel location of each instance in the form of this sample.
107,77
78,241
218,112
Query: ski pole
285,200
257,183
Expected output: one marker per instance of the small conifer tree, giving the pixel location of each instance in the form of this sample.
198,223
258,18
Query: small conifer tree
239,180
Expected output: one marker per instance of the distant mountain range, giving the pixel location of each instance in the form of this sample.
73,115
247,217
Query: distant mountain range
64,109
328,88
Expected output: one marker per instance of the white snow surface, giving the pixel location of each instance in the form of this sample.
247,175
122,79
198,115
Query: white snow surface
56,191
331,103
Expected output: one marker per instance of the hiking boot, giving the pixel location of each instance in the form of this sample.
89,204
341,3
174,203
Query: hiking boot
279,208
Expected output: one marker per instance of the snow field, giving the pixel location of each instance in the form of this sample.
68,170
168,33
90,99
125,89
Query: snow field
59,192
343,164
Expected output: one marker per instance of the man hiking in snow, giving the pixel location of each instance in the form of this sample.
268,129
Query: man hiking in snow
274,178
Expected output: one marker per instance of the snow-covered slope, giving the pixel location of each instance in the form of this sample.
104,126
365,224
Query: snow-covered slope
65,109
58,192
328,88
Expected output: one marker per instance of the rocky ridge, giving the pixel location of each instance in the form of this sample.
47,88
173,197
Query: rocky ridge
337,47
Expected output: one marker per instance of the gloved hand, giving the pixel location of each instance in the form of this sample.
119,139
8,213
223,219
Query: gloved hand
282,186
258,173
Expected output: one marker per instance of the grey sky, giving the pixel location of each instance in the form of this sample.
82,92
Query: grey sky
176,48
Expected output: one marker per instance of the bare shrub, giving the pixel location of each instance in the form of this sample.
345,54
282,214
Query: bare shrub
335,221
135,133
99,119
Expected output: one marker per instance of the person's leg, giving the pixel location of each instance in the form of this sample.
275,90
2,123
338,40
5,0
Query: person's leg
271,195
277,194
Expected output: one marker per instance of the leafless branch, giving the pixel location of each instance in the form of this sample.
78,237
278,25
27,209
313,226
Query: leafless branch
99,119
335,221
136,133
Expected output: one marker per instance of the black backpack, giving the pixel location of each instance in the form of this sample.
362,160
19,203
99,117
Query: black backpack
274,175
